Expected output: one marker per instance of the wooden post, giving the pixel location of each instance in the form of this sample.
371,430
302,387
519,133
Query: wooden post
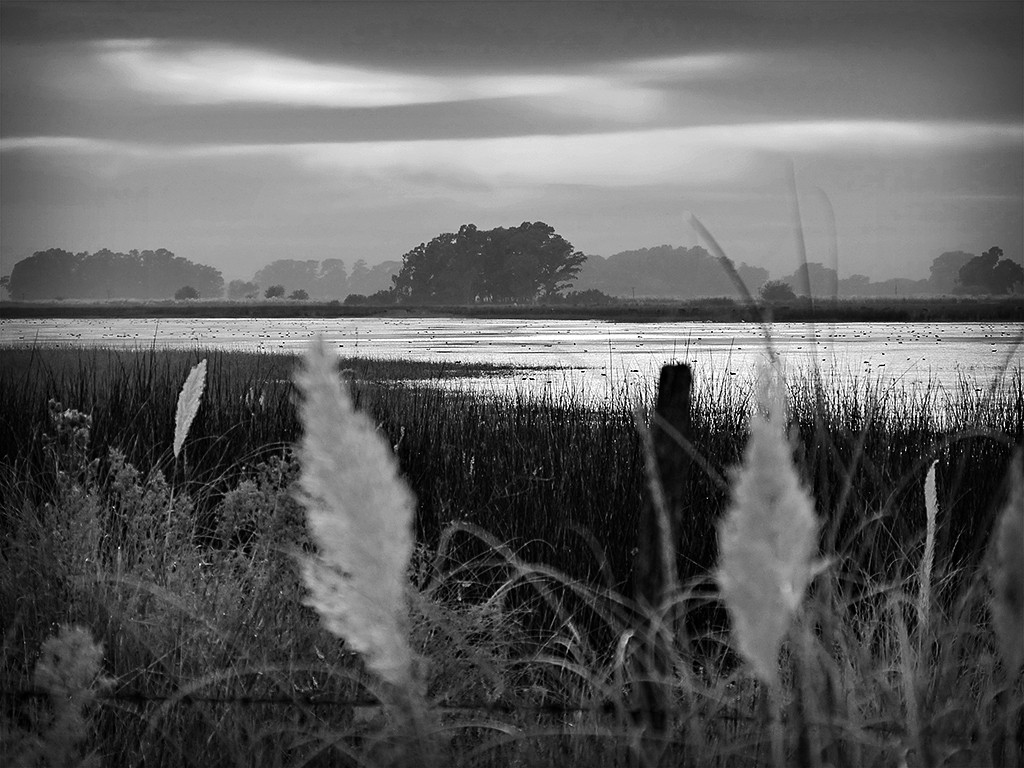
653,573
656,571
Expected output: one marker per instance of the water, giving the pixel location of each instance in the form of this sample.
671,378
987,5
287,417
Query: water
594,357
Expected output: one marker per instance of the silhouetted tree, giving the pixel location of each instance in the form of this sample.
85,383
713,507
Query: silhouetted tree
106,274
274,292
1008,277
186,292
527,262
945,270
523,263
776,290
298,295
988,274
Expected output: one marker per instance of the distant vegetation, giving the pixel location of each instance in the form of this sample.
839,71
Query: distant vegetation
327,279
952,273
528,264
664,272
159,274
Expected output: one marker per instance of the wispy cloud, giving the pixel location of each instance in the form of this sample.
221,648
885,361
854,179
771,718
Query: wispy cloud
681,156
195,74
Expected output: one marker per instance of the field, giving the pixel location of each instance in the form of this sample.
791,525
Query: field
521,612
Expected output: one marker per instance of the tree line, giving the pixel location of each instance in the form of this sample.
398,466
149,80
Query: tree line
524,264
951,273
665,272
105,274
303,279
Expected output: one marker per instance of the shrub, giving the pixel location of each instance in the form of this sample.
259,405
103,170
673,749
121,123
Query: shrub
186,292
776,290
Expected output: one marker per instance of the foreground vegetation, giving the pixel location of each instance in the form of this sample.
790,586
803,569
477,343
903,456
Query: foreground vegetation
526,525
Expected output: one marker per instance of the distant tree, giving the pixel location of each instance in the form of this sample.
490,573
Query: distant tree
274,292
855,285
988,274
290,272
445,270
528,262
945,270
777,290
242,289
45,275
664,271
298,295
186,292
107,275
523,263
822,280
357,279
354,299
1008,276
589,298
333,279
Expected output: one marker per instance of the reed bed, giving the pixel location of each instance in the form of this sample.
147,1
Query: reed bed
183,568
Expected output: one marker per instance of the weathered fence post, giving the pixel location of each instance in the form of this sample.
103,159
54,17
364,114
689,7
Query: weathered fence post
656,571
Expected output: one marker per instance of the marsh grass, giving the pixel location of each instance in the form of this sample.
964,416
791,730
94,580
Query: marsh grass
525,528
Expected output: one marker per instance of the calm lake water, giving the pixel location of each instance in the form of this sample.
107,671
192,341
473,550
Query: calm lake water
592,356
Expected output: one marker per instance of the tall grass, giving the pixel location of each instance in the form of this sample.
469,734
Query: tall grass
507,460
186,574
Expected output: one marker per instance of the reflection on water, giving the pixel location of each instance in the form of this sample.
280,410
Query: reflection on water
596,357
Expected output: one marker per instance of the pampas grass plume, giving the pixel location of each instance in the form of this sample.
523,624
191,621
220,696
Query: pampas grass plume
69,671
1007,572
360,515
767,539
188,404
931,508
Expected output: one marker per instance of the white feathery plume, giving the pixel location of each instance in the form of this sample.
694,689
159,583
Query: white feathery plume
768,537
1007,571
188,404
360,514
931,508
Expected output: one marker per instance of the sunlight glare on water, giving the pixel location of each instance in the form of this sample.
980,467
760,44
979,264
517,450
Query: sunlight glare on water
595,356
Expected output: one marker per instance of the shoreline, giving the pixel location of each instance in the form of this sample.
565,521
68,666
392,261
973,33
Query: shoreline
987,309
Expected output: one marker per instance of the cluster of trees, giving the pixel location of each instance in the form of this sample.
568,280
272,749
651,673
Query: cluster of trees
951,273
327,279
664,272
991,273
159,274
527,263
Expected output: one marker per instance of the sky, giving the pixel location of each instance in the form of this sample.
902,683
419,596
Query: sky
237,133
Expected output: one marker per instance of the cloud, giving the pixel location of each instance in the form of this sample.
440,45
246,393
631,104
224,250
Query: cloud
204,73
690,156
